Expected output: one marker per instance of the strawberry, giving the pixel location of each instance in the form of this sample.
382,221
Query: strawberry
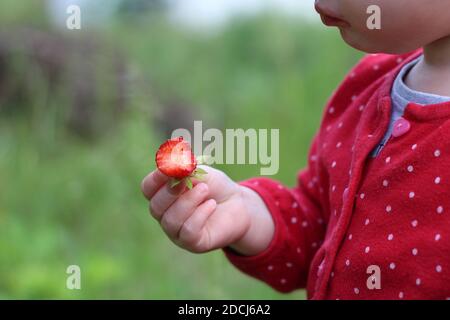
175,158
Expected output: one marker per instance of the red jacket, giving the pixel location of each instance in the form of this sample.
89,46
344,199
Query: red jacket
350,211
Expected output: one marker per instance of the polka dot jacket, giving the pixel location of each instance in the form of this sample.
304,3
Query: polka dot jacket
358,227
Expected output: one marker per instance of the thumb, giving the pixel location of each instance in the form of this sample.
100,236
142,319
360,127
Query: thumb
221,187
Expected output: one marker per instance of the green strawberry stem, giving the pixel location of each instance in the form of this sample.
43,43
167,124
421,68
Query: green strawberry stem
198,174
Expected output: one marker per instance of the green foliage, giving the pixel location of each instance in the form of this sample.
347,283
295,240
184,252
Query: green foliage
24,13
66,201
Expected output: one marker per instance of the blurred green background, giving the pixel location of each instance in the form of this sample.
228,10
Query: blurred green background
82,113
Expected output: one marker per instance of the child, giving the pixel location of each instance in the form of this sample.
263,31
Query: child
369,218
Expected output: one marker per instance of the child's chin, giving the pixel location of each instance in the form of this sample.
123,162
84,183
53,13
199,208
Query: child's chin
363,43
360,42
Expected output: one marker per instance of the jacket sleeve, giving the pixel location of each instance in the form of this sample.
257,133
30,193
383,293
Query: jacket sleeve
299,229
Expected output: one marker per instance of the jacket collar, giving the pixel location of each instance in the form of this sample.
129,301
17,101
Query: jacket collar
413,111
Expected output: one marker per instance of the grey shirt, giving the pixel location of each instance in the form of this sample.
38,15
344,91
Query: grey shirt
401,96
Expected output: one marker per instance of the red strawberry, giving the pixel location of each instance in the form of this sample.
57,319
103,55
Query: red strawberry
175,159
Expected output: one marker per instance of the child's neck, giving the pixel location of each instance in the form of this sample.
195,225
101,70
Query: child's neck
432,73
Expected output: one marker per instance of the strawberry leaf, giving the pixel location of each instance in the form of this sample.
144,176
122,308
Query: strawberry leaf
188,182
174,182
198,176
200,171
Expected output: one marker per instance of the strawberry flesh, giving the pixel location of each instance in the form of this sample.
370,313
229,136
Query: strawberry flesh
175,158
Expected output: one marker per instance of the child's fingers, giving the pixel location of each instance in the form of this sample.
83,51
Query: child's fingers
164,198
152,183
173,219
191,232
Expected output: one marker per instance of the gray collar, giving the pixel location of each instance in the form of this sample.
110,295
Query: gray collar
403,95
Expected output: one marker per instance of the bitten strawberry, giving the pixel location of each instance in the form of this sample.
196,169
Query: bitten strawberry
175,159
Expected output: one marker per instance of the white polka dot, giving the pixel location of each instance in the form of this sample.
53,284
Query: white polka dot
440,209
283,281
270,268
294,220
418,281
294,205
356,290
335,212
414,147
362,196
388,159
354,97
289,264
401,295
331,110
437,153
437,180
319,270
392,266
367,249
438,268
332,274
340,124
314,244
333,188
339,144
414,251
388,208
410,168
399,60
390,237
412,194
361,107
366,222
299,250
352,75
414,223
385,183
437,237
347,262
280,187
333,165
304,224
350,236
376,67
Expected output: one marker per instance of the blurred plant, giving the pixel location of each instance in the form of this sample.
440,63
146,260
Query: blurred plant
142,6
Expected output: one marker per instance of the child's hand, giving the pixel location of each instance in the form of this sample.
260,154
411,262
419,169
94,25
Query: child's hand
216,213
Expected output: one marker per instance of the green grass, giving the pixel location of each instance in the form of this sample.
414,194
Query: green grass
67,201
